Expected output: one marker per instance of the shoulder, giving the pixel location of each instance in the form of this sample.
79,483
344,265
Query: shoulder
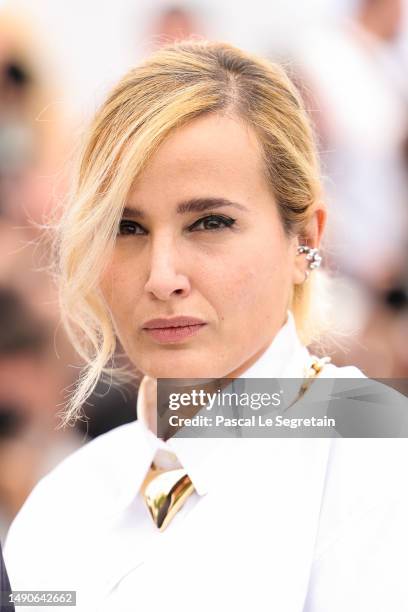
91,471
85,489
330,370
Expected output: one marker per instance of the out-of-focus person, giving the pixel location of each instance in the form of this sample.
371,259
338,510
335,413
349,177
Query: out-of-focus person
357,92
175,22
359,100
32,378
31,387
33,140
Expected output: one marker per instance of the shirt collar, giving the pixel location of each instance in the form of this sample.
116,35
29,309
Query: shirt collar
284,357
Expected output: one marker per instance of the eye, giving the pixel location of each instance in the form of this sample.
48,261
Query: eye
208,223
212,223
129,228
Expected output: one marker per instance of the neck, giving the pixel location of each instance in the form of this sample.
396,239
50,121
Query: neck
189,410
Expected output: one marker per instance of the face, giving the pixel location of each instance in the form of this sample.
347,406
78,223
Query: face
392,15
384,17
201,237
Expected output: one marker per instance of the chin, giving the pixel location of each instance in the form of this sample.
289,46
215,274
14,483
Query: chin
170,369
186,372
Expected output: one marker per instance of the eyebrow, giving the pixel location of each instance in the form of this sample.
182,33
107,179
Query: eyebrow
194,205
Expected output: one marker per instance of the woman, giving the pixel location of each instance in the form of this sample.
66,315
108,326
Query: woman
198,197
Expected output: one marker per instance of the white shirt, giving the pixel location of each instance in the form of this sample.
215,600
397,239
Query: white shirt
293,525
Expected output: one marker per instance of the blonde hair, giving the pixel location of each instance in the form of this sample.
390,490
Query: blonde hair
173,86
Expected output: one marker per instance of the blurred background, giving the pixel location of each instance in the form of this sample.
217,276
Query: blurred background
58,59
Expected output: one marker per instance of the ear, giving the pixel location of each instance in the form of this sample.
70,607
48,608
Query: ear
311,236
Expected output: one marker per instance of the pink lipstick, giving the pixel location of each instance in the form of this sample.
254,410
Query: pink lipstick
173,329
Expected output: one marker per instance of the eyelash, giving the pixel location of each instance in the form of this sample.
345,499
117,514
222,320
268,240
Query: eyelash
126,224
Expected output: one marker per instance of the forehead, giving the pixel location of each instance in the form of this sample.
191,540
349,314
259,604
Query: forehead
212,155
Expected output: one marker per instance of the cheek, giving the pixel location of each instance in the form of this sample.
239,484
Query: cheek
119,285
255,284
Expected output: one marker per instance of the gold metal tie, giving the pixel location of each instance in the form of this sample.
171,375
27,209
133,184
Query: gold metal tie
165,492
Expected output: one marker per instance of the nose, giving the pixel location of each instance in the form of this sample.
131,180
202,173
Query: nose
165,275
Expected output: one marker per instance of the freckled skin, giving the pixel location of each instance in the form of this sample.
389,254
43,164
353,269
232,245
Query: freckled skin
236,279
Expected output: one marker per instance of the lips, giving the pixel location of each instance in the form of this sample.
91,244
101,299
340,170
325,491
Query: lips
175,329
180,321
